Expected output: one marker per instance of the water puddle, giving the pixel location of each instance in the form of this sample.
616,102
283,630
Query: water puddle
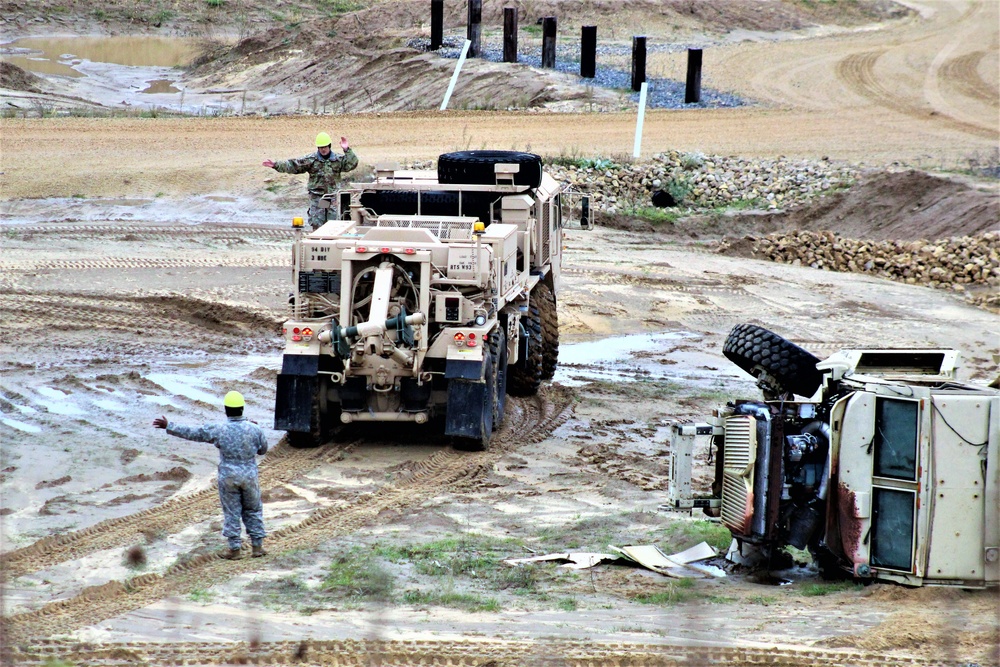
181,385
161,86
623,358
19,425
61,55
59,404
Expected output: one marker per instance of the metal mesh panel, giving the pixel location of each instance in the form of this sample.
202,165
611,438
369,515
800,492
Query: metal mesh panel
546,231
445,230
737,476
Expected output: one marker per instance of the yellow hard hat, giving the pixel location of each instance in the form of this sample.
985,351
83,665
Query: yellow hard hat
323,139
234,399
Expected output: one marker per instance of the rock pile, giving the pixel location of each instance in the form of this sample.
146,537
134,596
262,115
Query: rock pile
961,264
700,181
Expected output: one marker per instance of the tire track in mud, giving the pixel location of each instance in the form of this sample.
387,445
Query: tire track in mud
528,421
857,71
148,232
282,464
455,653
216,261
962,73
653,280
164,314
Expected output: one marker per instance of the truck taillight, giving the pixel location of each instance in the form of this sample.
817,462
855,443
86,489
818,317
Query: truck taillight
361,248
385,250
296,330
307,334
459,339
410,251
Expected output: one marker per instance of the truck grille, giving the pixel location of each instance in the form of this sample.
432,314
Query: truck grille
739,454
546,232
446,230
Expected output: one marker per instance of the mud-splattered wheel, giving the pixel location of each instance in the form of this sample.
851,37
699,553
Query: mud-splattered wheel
487,409
498,348
526,374
753,348
323,422
549,318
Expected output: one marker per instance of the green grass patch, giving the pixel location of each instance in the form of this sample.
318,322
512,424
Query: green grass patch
673,592
353,575
683,534
763,600
656,216
826,588
567,604
466,601
201,595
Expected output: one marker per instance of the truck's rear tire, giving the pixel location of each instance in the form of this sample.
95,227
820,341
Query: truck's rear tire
526,375
476,167
487,410
498,347
749,346
546,302
322,425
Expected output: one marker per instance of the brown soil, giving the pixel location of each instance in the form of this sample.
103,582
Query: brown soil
15,78
906,205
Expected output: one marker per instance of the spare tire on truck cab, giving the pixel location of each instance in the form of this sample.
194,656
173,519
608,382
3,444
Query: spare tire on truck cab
476,167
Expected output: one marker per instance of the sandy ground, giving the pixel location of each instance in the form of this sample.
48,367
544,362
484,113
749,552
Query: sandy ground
131,300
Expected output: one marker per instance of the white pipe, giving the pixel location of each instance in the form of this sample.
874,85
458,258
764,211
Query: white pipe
454,77
638,124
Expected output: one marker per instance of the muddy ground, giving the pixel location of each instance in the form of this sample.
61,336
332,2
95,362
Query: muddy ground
148,274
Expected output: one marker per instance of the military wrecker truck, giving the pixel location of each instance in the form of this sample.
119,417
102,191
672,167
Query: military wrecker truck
428,294
878,461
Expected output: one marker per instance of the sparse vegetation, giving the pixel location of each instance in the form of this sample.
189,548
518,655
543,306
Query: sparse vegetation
466,601
826,588
674,591
201,596
353,576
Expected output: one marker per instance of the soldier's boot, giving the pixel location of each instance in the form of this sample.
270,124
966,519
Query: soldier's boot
231,554
258,550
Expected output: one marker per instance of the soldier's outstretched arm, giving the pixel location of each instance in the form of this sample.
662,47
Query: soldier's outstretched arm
350,160
206,433
299,165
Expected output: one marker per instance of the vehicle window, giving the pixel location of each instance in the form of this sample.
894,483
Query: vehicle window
892,529
896,439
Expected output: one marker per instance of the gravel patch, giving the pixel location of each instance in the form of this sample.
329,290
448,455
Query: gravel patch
660,94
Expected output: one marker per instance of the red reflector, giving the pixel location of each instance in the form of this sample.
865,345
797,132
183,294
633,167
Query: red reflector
410,251
471,343
296,337
386,249
472,336
295,330
361,248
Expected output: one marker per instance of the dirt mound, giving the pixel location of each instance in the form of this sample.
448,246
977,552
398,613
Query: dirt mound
175,474
882,206
13,77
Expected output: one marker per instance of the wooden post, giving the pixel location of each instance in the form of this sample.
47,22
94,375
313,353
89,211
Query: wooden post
588,51
549,42
692,92
510,34
475,26
437,24
638,62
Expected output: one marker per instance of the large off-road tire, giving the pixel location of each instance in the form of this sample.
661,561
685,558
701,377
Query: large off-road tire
498,348
545,300
526,375
322,426
476,167
487,410
749,346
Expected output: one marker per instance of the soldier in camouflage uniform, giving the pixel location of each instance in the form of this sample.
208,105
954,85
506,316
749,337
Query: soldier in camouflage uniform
239,442
324,168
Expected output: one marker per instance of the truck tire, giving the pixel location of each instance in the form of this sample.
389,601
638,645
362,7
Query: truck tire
749,346
498,348
322,427
546,302
487,410
526,375
476,167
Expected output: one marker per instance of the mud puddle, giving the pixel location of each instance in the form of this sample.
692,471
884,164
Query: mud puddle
119,72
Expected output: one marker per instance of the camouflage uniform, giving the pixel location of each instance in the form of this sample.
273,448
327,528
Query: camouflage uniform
239,442
324,173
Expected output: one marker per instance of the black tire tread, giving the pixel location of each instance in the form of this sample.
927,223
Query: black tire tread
546,302
526,375
749,346
476,167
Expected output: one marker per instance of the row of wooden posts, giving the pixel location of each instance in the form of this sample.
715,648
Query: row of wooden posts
588,46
